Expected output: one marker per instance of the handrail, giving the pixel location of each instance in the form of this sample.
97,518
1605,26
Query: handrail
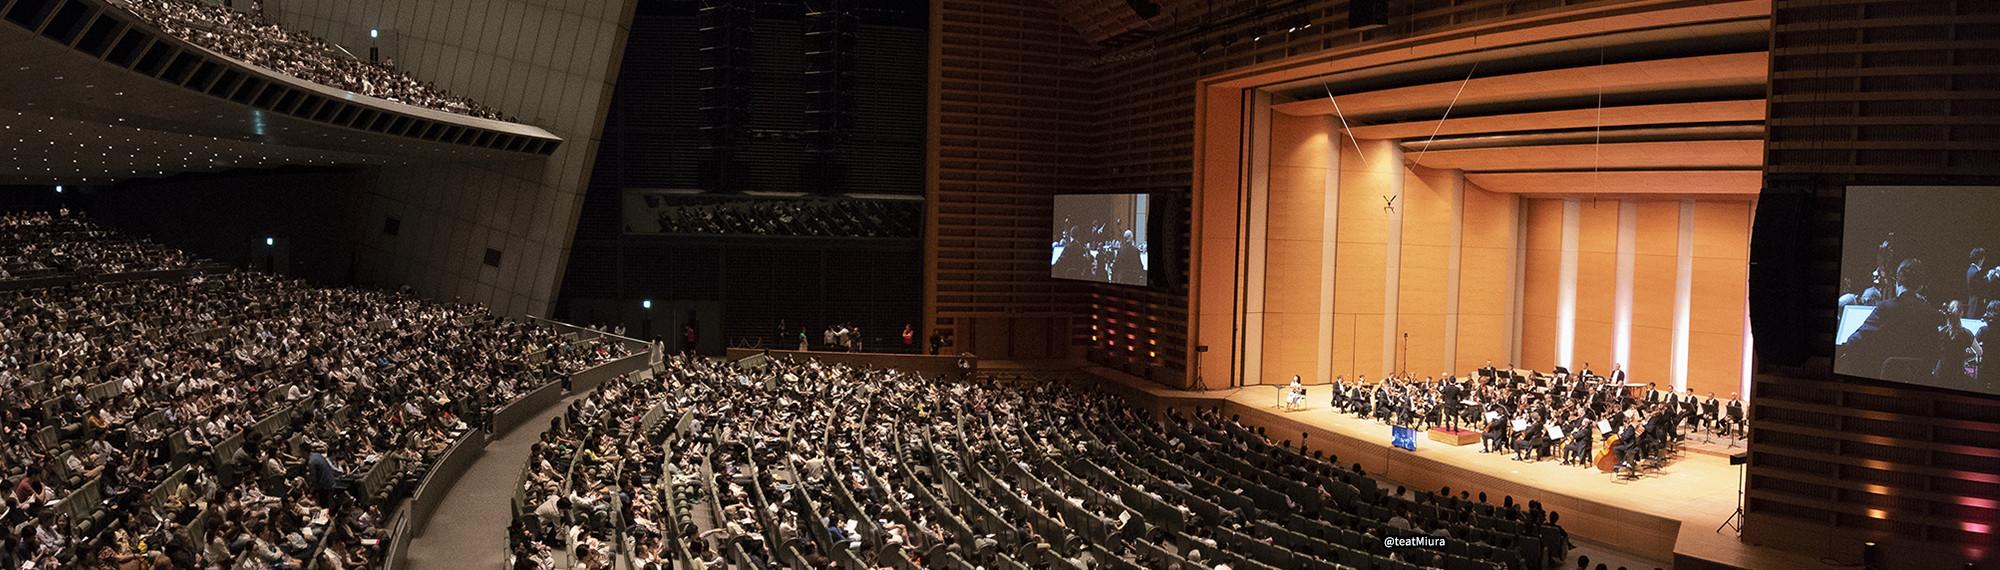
416,511
569,327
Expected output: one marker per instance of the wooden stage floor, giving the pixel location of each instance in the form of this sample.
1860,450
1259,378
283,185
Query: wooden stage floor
1669,516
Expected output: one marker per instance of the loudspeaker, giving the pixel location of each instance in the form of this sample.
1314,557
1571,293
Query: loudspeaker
1871,556
1781,300
1146,9
1364,14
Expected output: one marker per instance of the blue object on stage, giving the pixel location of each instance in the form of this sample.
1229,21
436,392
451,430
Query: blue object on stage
1403,437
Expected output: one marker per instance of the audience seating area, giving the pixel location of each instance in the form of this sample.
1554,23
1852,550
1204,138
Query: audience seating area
210,419
816,217
44,247
803,464
249,37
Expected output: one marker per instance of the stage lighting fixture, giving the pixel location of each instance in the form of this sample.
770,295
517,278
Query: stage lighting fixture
58,188
646,304
374,33
270,241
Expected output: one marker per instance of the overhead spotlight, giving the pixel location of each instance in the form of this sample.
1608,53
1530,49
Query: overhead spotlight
374,33
646,304
1297,22
58,188
270,241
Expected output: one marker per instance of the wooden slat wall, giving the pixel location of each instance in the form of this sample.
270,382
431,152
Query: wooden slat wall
1875,92
1008,134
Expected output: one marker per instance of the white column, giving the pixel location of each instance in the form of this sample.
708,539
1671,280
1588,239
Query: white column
1572,232
1683,295
1621,307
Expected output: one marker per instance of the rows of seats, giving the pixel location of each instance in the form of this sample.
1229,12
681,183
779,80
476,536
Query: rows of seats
829,217
248,36
806,464
55,244
577,490
219,420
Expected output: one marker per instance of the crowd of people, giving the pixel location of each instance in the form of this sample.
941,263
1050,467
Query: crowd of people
1534,416
196,420
249,37
54,243
1098,251
1921,321
802,463
769,217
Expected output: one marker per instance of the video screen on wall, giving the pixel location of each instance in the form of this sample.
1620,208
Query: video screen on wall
1920,283
1100,237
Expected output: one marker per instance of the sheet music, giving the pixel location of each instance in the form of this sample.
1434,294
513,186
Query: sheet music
1604,426
1555,432
1490,416
1520,424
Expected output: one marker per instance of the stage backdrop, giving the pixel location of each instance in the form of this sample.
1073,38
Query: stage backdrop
1350,262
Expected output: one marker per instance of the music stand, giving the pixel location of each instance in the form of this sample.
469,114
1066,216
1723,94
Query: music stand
1741,427
1198,385
1739,460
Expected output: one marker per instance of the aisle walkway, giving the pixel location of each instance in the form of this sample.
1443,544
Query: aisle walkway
469,529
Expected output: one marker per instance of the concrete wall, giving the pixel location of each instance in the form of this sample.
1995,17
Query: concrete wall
547,63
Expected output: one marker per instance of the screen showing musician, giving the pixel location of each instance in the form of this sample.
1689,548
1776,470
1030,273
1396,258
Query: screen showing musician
1920,283
1100,237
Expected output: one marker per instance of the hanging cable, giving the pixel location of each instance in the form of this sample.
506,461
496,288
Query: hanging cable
1447,112
1343,124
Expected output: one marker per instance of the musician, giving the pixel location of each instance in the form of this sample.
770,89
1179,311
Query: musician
1495,437
1711,412
1691,409
1488,372
1617,373
1735,417
1295,394
1659,429
1339,401
1579,443
1628,444
1586,374
1451,394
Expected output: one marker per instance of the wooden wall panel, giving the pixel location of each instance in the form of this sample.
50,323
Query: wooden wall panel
1543,262
1361,259
1007,135
1653,271
1424,273
1489,241
1300,156
1213,221
1718,297
1596,283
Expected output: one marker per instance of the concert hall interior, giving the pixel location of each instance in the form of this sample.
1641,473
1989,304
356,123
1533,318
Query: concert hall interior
999,284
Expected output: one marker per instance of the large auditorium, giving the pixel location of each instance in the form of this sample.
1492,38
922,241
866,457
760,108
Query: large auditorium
999,284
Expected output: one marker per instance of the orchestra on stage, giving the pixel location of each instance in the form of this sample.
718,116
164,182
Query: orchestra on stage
1577,418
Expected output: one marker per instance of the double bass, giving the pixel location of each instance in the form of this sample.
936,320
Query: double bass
1606,460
